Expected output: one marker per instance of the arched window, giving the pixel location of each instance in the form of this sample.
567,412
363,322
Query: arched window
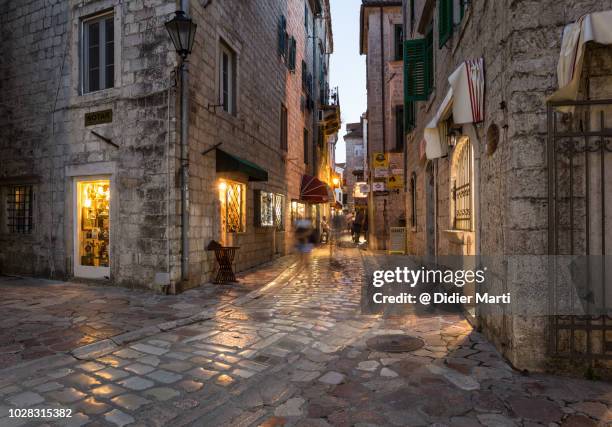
413,200
461,189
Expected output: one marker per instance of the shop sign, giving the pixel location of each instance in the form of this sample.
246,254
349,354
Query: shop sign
381,173
380,160
98,117
378,186
395,182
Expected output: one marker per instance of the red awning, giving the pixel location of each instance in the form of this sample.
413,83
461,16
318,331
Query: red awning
313,190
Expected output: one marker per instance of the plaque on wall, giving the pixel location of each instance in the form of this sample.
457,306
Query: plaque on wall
98,117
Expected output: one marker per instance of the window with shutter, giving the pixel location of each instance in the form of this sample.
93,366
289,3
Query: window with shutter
445,21
292,53
416,70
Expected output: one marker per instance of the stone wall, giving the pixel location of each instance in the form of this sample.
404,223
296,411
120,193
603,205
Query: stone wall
44,140
384,210
520,43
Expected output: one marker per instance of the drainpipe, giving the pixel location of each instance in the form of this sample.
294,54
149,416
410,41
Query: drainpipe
315,110
184,76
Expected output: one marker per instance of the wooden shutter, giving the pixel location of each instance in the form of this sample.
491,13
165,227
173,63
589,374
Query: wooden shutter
416,69
282,33
292,53
445,21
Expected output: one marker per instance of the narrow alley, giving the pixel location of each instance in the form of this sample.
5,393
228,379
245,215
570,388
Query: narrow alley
300,353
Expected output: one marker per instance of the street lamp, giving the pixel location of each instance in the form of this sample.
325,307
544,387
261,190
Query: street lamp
182,33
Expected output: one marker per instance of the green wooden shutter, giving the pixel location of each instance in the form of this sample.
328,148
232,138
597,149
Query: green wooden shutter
282,31
292,53
445,21
416,70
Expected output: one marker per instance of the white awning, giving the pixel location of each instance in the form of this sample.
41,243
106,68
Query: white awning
466,95
595,27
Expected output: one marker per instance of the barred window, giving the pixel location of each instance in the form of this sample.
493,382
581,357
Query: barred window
19,209
232,196
279,212
462,186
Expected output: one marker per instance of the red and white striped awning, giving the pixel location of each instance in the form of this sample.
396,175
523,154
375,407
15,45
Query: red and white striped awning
465,97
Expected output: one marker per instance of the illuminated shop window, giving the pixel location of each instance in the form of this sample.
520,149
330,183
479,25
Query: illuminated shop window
279,212
94,222
232,198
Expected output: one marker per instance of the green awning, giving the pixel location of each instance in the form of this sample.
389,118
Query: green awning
229,163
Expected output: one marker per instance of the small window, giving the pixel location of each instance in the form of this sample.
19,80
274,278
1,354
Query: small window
233,200
264,209
98,56
413,201
19,209
358,150
283,128
298,211
399,42
399,128
227,78
279,212
306,144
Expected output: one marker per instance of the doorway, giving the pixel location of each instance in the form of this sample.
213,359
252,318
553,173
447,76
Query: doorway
92,228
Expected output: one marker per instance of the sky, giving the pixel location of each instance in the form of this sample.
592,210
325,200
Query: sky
347,67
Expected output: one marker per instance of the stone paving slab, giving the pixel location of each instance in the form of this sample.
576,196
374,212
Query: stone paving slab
45,317
241,368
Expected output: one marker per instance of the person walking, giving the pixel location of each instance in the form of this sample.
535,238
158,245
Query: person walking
358,225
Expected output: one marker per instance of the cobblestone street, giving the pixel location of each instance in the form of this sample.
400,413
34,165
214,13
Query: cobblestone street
296,354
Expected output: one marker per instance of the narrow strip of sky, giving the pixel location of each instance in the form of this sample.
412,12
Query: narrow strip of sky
347,68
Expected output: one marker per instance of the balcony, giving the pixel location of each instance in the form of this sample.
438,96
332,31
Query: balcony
329,112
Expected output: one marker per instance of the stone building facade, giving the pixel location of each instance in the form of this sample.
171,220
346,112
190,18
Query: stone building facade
355,156
90,155
501,160
381,33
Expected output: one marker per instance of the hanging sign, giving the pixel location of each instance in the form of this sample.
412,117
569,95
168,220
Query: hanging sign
378,186
381,160
395,182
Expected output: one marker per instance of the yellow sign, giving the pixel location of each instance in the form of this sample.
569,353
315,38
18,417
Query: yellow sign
381,160
395,182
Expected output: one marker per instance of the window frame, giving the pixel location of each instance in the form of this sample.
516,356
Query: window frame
242,206
398,42
85,24
284,128
225,50
15,224
413,201
400,132
306,135
462,182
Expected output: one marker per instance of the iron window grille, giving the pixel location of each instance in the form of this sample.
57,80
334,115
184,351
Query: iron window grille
462,188
279,212
20,209
234,207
